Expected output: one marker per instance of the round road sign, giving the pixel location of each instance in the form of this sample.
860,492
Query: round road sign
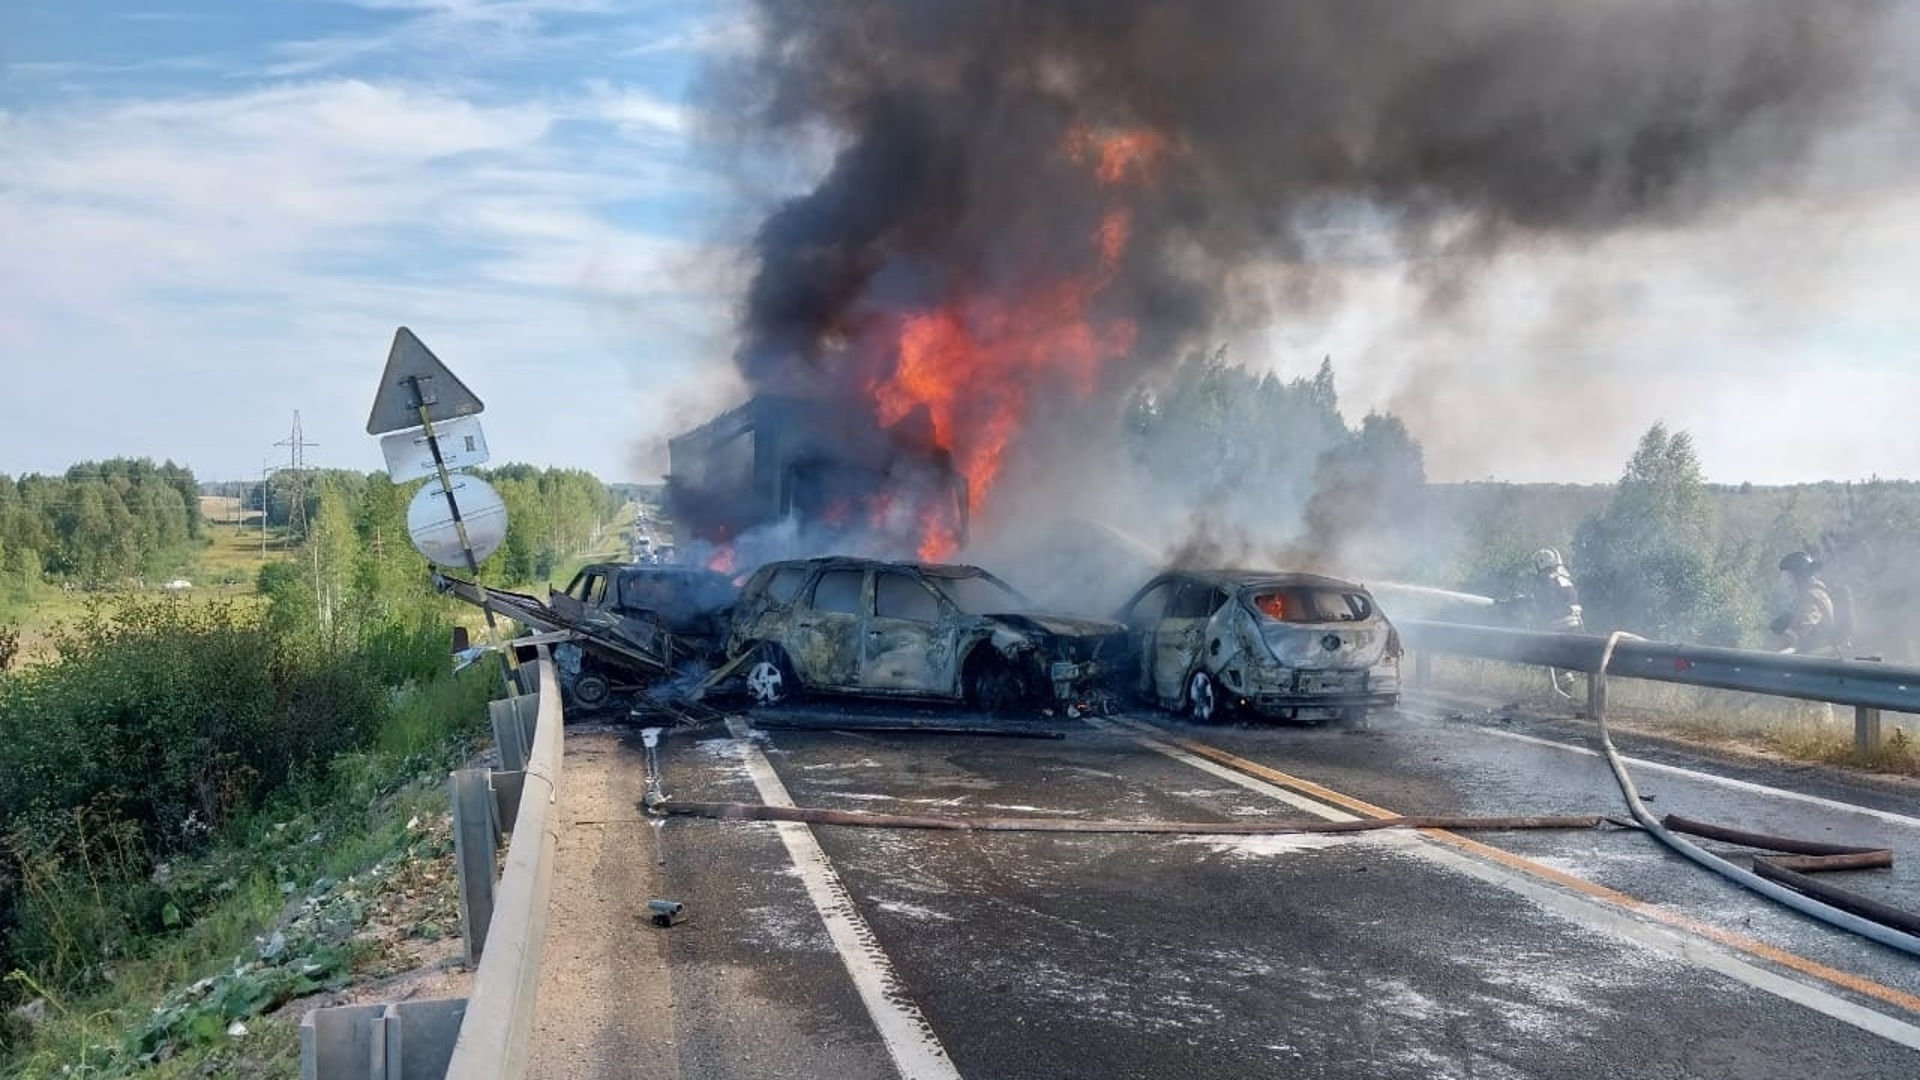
430,521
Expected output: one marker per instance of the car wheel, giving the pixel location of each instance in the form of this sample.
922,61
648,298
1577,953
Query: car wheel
591,690
770,680
1203,698
996,688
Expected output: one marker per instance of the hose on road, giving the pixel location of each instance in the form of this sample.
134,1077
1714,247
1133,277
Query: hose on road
1833,914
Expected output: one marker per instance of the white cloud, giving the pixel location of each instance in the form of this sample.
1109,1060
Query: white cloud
180,274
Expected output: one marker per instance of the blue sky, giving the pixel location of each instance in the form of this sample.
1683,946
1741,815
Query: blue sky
214,213
217,213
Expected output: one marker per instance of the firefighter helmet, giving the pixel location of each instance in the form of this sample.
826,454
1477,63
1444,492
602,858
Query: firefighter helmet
1799,563
1545,559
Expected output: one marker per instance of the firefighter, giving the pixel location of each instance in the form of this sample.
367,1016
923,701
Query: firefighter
1553,605
1555,601
1810,625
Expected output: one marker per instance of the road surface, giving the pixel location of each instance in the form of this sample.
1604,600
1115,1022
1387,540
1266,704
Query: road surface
840,952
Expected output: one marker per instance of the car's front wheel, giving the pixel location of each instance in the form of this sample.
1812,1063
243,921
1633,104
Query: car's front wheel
592,690
995,686
1203,698
770,679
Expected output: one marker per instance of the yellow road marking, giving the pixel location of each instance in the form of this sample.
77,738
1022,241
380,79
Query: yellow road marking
1801,964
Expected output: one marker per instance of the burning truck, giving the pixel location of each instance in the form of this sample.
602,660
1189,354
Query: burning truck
782,476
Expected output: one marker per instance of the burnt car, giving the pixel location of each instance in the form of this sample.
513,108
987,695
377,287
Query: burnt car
914,630
1287,645
677,614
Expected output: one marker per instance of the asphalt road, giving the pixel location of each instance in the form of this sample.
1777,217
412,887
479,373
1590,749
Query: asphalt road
833,951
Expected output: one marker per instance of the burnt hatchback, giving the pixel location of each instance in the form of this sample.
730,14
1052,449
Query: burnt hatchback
1290,645
916,630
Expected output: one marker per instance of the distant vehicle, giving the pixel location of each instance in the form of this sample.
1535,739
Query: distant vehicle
1288,645
177,585
671,611
916,630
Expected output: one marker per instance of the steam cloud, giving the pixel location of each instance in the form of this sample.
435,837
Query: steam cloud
1294,135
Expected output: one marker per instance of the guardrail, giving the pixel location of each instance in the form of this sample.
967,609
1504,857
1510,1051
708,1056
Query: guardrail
487,1035
1869,686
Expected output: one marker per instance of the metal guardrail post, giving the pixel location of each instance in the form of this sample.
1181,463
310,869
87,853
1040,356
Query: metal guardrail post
1866,729
512,719
475,836
1596,696
347,1042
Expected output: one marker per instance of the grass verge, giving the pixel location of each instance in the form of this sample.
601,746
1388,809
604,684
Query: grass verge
1754,723
286,905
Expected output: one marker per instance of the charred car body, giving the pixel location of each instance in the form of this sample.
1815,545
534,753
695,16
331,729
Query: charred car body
676,613
1296,646
918,630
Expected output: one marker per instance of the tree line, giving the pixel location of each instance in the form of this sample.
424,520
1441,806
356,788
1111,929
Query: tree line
99,522
1233,465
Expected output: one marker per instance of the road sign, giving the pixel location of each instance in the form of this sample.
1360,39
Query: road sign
435,532
409,457
415,377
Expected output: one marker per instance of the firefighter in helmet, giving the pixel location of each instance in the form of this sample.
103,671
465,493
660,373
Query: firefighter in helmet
1553,605
1554,601
1809,625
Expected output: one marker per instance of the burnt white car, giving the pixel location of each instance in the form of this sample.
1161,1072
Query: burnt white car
916,630
1287,645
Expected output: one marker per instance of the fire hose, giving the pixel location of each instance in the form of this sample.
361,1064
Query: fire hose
1833,911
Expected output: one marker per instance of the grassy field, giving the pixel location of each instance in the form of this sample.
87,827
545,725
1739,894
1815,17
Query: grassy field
224,567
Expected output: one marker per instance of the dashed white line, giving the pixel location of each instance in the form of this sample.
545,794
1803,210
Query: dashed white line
909,1038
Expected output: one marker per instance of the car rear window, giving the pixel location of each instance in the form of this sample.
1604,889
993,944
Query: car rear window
1311,605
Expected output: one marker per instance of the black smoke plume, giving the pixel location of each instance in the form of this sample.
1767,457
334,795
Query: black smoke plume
1293,135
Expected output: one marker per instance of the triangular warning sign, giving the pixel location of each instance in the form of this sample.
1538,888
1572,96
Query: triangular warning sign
415,377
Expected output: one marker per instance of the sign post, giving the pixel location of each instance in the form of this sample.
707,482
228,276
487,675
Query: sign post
416,391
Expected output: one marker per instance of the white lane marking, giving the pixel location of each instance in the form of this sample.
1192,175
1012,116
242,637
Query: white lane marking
916,1050
1572,906
1723,781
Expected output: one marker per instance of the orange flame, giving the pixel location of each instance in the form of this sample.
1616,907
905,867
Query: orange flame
722,559
1118,156
974,361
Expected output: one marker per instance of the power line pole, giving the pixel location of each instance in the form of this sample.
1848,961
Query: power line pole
296,445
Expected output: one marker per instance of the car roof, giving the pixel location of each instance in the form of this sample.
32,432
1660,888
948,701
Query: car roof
856,562
637,569
1256,579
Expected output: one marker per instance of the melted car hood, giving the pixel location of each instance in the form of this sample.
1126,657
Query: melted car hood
1058,625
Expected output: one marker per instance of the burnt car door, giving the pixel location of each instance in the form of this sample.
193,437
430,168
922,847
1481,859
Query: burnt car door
823,636
1142,617
1181,635
909,640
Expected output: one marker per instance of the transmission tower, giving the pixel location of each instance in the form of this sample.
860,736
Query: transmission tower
296,445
